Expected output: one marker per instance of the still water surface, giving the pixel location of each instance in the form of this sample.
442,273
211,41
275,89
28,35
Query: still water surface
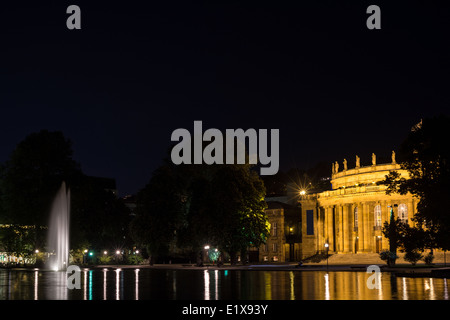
142,284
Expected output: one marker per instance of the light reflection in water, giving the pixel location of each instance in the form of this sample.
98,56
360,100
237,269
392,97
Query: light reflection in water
36,284
174,285
104,283
85,284
206,280
118,283
268,285
90,284
327,287
445,290
217,284
291,280
380,290
404,289
136,291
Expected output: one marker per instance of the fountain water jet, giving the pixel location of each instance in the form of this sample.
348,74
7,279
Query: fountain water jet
58,231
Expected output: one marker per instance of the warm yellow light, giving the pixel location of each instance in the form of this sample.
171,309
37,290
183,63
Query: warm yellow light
302,192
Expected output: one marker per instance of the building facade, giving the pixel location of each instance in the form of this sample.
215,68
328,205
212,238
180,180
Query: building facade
349,218
284,241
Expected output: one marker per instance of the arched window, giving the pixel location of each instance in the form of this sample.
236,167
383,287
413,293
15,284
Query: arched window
403,212
356,218
377,215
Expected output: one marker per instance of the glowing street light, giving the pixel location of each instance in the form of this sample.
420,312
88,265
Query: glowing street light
302,192
326,252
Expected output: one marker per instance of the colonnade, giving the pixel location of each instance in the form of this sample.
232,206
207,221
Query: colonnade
352,227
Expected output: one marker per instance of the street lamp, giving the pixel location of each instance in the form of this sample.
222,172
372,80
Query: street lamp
326,252
207,253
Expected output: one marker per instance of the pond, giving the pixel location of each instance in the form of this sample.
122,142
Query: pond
186,284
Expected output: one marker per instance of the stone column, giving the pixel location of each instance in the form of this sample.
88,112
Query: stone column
338,211
319,229
351,226
329,214
361,228
338,227
367,232
345,228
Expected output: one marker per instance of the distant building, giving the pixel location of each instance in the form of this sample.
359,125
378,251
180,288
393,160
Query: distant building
284,241
130,203
108,184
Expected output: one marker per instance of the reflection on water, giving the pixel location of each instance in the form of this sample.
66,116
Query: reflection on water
135,284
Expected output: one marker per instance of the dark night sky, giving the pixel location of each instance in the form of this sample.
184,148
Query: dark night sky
136,71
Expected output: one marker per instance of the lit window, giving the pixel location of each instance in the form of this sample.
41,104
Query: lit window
356,217
274,231
377,213
274,247
403,213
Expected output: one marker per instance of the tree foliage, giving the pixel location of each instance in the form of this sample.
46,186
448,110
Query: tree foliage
425,154
194,205
33,174
29,181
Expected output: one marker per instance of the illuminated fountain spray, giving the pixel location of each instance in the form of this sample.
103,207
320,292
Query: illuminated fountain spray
58,231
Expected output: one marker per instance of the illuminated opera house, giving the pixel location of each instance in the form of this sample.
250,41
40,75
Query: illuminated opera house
346,219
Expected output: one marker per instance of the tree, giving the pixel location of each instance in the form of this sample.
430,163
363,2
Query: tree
239,209
33,174
425,154
99,220
195,205
158,211
392,231
29,181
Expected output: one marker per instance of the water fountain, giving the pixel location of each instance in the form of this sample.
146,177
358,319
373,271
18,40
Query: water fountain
58,231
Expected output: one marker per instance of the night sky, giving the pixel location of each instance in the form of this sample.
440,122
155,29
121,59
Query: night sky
136,71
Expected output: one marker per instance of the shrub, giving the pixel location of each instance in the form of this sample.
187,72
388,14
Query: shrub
428,258
135,259
104,259
388,256
413,257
